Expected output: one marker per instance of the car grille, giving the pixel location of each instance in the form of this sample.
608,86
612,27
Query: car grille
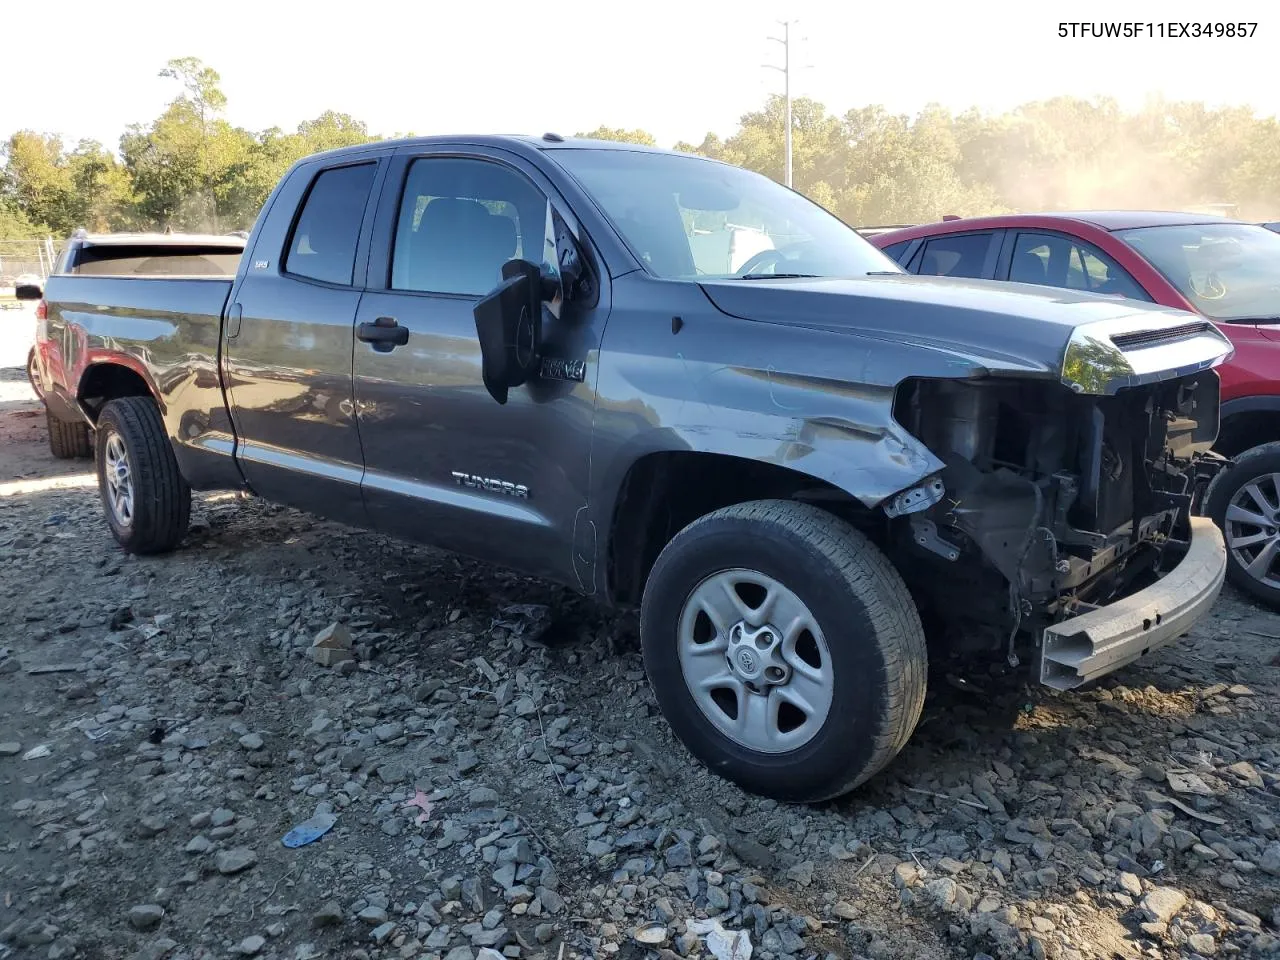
1151,338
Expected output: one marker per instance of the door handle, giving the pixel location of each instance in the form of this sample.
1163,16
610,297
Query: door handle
384,333
234,313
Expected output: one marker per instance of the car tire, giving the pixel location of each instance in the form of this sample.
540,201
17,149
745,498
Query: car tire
68,440
843,638
32,376
146,501
1229,501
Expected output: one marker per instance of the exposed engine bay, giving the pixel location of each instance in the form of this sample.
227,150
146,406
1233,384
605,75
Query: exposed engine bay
1051,504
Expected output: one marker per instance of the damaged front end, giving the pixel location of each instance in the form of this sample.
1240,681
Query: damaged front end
1064,512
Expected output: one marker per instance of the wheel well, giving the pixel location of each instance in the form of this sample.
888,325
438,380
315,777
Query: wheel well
664,492
1243,431
104,382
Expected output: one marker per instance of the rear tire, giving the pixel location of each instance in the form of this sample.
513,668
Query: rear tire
33,376
68,440
846,643
1229,502
146,500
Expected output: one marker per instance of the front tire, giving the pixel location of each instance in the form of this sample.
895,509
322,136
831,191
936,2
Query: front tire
68,440
783,649
1244,501
145,498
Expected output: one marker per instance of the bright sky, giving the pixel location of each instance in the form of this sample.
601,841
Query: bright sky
678,68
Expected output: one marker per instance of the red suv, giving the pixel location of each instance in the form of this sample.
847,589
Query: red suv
1226,270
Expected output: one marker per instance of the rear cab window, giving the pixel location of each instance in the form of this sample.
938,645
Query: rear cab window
324,239
157,260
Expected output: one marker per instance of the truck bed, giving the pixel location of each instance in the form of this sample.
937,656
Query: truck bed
165,330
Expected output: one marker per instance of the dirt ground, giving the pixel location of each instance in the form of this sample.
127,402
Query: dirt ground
163,725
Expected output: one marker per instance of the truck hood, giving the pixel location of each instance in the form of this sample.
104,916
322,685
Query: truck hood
1094,343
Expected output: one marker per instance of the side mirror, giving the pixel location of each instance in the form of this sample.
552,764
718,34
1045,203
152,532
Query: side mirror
576,281
509,327
567,256
28,291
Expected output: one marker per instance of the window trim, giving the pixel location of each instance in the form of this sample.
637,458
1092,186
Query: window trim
1083,245
399,206
904,244
357,280
989,259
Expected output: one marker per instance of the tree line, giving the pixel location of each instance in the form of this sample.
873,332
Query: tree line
190,169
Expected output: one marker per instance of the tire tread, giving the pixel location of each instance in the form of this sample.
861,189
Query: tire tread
68,440
1218,497
869,575
162,499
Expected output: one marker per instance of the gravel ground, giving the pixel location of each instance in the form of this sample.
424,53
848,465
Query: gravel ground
498,777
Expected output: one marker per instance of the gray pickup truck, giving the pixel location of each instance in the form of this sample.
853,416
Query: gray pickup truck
795,459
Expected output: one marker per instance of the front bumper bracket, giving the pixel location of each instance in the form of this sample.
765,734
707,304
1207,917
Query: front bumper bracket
1094,644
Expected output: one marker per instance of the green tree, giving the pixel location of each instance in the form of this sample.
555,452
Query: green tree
618,134
14,224
38,181
183,166
104,198
272,152
189,168
58,191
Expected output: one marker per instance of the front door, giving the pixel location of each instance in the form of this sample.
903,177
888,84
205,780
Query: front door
444,462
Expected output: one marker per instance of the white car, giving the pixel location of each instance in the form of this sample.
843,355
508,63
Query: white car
26,336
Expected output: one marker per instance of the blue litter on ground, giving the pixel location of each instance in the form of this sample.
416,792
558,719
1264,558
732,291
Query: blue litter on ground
309,830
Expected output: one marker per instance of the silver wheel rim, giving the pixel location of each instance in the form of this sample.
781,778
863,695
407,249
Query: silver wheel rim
115,470
755,661
1253,527
34,378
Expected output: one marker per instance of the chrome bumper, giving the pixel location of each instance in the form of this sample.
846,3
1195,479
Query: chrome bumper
1094,644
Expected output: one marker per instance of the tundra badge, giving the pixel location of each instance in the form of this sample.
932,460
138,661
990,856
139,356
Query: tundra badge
554,368
518,490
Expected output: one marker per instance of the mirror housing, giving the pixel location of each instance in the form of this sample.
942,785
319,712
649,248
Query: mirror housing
28,291
568,258
509,327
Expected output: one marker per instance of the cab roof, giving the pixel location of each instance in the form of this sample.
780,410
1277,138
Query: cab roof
548,141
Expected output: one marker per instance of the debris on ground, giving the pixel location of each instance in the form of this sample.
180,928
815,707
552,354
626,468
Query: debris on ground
310,830
722,944
332,645
499,795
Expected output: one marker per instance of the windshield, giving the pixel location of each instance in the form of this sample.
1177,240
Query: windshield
1229,271
688,218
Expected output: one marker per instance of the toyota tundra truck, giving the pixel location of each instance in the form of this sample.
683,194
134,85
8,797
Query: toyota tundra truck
510,348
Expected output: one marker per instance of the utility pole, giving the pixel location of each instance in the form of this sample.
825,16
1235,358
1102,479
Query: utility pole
785,70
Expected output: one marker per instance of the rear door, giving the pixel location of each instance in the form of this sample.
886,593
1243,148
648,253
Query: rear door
289,336
444,462
971,254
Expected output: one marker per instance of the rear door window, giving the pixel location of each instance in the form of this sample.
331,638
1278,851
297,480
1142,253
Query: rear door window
958,255
323,245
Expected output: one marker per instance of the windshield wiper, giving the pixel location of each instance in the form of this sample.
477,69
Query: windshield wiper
776,276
